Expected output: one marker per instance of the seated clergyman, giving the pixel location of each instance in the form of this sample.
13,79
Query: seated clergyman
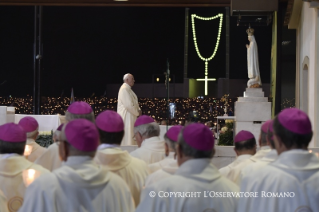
185,190
80,184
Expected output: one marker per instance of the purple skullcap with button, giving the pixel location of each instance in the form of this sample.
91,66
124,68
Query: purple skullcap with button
266,126
29,124
12,133
60,127
199,137
80,108
82,135
243,135
173,132
109,121
144,119
295,121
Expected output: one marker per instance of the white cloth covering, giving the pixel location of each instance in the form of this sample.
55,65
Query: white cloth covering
37,150
252,63
79,185
160,164
132,170
50,159
195,175
294,171
127,107
151,150
166,171
268,158
12,185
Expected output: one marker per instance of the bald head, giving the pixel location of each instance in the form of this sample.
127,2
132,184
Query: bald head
129,79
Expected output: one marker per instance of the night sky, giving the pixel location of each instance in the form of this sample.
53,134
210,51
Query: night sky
88,47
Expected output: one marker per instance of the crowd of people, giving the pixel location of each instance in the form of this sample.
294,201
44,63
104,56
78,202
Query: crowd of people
207,108
86,169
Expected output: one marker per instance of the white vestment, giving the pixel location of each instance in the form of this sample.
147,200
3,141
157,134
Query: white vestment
50,159
294,174
11,172
3,203
268,158
127,107
166,171
160,164
252,63
37,150
151,150
194,177
79,185
225,170
132,170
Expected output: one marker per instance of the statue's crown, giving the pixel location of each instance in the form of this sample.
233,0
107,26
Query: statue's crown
250,31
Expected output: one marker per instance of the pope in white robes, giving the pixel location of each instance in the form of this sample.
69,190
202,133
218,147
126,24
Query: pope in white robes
132,170
196,181
80,184
245,148
168,166
127,107
151,147
50,159
13,164
31,127
288,183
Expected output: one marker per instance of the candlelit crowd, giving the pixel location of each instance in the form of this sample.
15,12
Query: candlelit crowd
85,169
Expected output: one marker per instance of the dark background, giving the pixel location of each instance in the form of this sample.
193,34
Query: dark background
88,47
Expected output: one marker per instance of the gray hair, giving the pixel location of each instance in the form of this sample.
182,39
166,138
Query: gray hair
70,116
148,130
263,138
190,151
33,133
171,144
72,150
56,134
126,76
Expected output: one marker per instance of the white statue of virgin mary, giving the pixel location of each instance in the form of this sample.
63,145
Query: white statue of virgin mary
252,61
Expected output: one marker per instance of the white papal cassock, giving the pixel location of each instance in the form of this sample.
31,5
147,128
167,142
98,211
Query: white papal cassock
50,159
79,185
132,170
151,150
295,174
127,107
235,173
195,175
160,164
268,158
12,185
37,150
166,171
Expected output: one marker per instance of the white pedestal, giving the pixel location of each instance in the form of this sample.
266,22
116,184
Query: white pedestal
10,114
252,111
3,115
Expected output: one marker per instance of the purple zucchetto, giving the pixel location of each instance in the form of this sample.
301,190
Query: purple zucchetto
82,135
80,108
144,119
60,127
295,121
266,126
29,124
109,121
271,126
12,133
199,137
173,132
243,135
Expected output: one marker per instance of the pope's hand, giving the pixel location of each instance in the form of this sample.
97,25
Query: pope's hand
247,46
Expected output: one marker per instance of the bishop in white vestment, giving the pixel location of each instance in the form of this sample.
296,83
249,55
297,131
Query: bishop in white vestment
289,183
245,148
132,170
127,107
151,147
31,127
196,183
50,159
13,164
80,184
